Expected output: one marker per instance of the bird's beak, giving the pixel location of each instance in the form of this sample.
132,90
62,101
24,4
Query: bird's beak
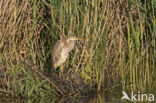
80,38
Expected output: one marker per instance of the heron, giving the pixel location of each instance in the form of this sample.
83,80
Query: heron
61,50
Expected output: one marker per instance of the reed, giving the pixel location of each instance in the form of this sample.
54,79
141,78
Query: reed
118,53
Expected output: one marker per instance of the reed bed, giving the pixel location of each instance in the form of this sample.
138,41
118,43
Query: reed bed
119,51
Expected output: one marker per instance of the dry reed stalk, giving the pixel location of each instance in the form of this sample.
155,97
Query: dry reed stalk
16,36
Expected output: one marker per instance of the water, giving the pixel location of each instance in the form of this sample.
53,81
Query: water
98,98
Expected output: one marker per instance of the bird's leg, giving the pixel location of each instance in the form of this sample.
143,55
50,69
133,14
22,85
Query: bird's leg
61,71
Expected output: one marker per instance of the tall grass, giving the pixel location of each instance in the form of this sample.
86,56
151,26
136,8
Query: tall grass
119,50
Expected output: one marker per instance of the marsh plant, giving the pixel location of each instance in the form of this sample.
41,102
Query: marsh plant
118,53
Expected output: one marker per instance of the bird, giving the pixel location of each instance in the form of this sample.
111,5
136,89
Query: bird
61,50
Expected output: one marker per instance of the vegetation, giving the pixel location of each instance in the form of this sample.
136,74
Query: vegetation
119,51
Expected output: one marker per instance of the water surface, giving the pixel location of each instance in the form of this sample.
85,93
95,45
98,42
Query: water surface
96,98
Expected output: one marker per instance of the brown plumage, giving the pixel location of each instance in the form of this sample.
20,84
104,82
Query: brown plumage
61,50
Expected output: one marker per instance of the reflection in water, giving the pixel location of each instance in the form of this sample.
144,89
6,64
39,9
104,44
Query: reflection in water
98,98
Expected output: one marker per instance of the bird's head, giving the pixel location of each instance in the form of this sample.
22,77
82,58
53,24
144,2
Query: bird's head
74,38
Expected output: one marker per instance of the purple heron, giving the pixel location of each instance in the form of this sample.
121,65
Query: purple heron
61,50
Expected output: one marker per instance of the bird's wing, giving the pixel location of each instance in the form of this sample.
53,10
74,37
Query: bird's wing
57,51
